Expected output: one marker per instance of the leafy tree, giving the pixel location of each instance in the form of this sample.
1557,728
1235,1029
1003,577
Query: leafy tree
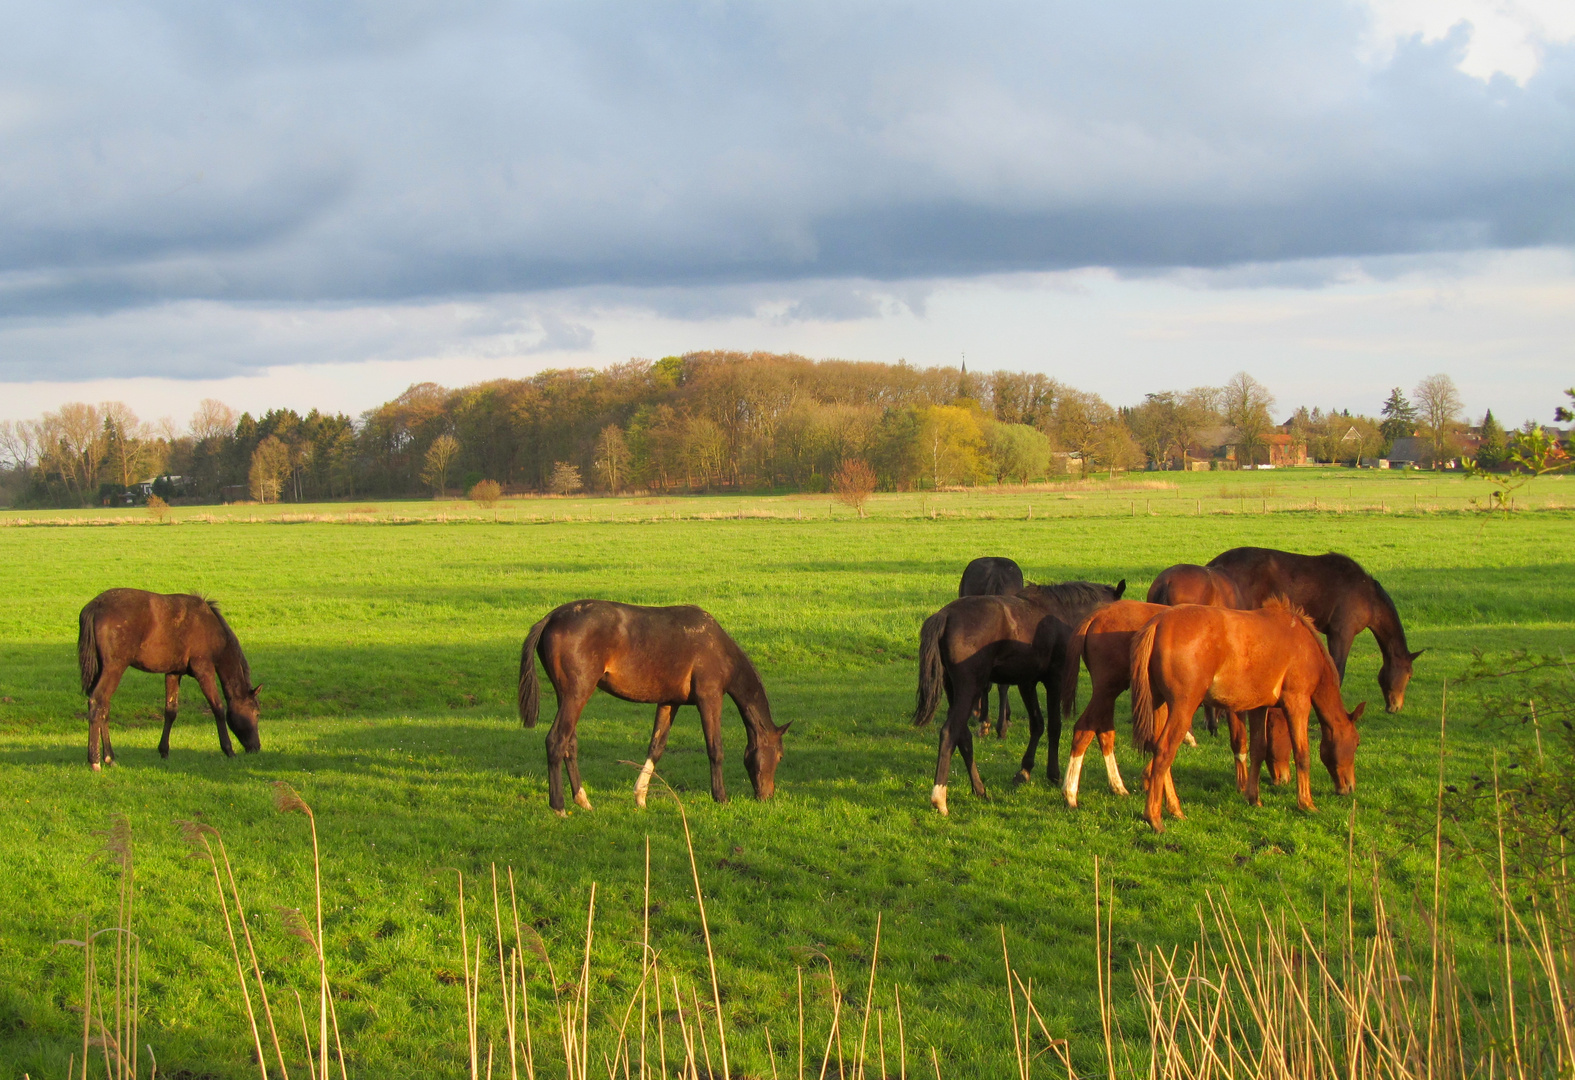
1079,420
950,444
440,457
612,457
1017,452
270,465
1399,417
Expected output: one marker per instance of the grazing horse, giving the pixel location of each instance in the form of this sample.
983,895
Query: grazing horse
662,656
1339,596
1104,645
1242,661
992,575
170,636
1020,640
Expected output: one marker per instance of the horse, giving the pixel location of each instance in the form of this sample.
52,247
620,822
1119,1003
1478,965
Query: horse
1189,583
1242,661
992,575
1020,640
662,656
170,636
1341,598
1103,643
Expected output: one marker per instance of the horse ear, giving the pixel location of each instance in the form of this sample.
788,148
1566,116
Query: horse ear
783,729
1419,652
255,689
1121,587
1356,713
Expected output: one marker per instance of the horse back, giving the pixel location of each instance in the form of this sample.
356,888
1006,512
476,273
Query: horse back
990,575
649,654
1107,636
155,632
1321,585
1237,659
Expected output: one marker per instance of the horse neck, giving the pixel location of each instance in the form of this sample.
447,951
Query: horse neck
230,665
1384,621
1326,695
749,694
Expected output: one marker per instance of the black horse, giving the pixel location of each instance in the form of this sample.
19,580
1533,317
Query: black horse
171,636
1019,640
992,575
664,656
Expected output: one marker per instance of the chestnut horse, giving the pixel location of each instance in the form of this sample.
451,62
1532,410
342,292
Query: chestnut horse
1104,645
1021,640
992,575
1189,583
662,656
1339,596
1242,661
170,636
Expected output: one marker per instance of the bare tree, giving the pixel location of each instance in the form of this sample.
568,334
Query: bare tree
853,483
565,478
19,444
612,457
213,420
486,493
1079,422
131,447
1246,403
71,443
440,456
1438,407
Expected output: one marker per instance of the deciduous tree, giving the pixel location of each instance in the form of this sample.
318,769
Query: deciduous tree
1438,407
440,457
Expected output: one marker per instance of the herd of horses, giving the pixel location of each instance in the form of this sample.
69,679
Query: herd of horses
1238,637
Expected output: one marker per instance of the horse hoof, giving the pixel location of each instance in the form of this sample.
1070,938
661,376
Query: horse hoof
1022,777
561,813
1121,790
1189,740
1158,826
1071,800
582,801
938,800
96,766
639,800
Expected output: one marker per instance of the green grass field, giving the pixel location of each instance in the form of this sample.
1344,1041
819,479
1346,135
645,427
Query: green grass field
388,658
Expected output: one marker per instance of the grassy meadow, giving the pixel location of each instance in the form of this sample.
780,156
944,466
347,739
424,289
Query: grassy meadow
387,640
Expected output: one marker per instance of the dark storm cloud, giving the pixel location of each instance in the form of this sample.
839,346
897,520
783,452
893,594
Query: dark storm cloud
305,152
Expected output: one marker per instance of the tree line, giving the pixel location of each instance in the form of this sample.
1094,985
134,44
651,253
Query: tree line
704,421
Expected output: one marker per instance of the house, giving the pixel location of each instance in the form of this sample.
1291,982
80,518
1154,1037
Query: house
1409,452
1284,448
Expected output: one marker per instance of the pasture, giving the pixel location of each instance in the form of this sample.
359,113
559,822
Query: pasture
388,658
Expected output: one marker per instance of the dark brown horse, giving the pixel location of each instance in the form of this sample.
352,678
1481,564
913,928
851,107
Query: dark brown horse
1244,661
1341,598
170,636
1020,640
992,575
662,656
1104,645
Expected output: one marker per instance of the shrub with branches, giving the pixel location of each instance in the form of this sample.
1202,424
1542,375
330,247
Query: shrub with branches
486,493
853,483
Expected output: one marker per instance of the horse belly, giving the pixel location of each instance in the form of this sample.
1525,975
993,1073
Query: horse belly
645,687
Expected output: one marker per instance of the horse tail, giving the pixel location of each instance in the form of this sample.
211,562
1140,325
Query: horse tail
87,649
530,687
931,671
1074,660
1142,693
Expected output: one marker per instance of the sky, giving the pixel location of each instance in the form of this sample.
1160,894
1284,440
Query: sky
312,204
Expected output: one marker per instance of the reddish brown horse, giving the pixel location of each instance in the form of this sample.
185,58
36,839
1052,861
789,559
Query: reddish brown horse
1022,640
1243,661
1188,583
992,575
1339,596
662,656
170,636
1104,645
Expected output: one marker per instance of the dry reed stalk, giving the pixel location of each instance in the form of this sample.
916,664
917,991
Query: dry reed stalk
800,1023
503,977
869,998
306,1034
902,1036
288,801
1011,998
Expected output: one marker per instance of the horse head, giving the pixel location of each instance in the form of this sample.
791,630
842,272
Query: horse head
1393,677
1337,748
762,756
241,716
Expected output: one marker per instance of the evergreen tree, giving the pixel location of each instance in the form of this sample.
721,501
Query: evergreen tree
1491,450
1399,417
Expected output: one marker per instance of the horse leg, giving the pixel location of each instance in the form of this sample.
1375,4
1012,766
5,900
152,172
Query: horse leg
659,730
1161,715
171,705
1036,729
1256,721
1159,781
1052,722
1240,744
965,747
210,690
1004,716
561,744
1280,746
98,716
984,712
1107,748
1340,641
1296,717
711,725
943,758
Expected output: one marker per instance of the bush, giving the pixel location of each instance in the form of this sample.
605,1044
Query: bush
486,493
158,509
853,483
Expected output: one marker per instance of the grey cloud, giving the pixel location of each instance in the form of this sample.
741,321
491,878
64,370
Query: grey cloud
399,151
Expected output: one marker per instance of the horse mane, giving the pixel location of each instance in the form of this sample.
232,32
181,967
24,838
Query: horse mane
1070,592
1281,603
229,636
